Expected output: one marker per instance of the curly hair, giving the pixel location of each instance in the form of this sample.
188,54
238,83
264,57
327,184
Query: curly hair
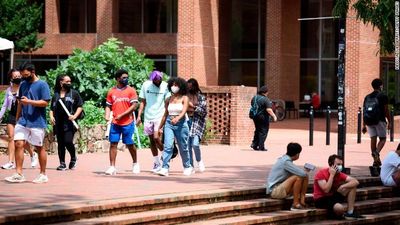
195,85
181,84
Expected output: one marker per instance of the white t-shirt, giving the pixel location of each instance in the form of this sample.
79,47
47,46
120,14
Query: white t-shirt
389,165
155,99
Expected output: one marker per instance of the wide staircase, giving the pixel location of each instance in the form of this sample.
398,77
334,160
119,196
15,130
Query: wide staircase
379,205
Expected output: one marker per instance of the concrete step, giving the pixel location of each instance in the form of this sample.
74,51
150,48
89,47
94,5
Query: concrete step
387,218
306,216
235,209
75,211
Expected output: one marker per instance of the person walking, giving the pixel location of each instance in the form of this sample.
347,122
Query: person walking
152,96
197,112
261,110
34,97
176,126
376,118
10,103
63,126
121,101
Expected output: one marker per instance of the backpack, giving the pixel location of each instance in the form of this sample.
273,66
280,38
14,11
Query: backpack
254,109
371,110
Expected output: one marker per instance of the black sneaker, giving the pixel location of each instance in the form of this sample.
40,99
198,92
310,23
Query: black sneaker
72,164
62,167
352,216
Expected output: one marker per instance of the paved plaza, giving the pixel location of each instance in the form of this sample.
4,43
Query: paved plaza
227,167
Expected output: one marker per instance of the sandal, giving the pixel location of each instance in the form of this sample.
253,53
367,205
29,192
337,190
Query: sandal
297,207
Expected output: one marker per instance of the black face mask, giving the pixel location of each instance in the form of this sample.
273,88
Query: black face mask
157,83
124,81
28,79
66,86
16,81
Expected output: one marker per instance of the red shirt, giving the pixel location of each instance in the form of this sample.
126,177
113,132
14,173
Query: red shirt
323,174
120,100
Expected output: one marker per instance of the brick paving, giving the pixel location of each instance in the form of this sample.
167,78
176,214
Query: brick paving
227,166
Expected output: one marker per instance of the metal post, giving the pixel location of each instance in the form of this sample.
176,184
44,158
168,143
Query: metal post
328,125
359,125
392,125
311,141
345,125
341,89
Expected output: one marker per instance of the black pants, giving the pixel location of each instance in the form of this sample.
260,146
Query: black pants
261,122
65,140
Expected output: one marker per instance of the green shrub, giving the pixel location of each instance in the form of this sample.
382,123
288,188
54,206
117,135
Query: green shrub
2,98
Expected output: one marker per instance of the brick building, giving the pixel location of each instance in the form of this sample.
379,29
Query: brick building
227,43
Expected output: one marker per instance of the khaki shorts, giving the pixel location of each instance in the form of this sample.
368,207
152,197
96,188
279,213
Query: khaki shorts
279,192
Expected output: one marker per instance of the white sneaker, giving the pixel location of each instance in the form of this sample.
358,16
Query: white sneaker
163,172
8,166
111,171
188,171
136,168
156,167
34,160
201,165
16,178
42,178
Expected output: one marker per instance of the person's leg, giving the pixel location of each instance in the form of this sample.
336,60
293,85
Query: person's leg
69,144
61,146
254,143
304,187
42,158
190,149
182,134
339,209
263,133
293,186
132,151
11,145
19,155
157,135
127,138
113,153
168,143
196,148
381,143
153,145
114,137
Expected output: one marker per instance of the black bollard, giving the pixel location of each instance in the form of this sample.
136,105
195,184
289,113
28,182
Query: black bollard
392,125
311,141
328,125
359,125
345,125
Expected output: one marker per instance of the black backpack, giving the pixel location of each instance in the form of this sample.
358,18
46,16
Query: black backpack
254,108
371,110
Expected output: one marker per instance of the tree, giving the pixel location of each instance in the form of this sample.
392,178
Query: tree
378,13
19,22
93,72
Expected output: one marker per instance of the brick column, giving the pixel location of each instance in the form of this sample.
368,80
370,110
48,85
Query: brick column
104,20
198,40
283,49
362,66
52,23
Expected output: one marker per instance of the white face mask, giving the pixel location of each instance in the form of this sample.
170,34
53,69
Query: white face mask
340,168
175,89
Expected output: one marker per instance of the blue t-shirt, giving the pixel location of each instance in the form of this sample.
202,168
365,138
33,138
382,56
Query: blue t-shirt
31,116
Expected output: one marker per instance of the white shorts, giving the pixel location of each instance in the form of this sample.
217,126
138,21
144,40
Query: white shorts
34,136
150,127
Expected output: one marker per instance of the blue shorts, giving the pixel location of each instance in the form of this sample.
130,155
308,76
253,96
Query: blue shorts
127,132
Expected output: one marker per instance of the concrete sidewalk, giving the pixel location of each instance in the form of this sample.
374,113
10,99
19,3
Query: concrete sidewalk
227,166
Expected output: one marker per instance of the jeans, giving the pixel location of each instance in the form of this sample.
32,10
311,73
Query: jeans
261,123
194,143
181,132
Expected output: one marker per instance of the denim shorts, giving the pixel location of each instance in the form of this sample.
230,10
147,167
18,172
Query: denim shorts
126,131
377,130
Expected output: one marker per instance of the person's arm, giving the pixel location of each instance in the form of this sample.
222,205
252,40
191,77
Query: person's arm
142,105
185,100
293,169
326,186
164,118
35,103
271,113
350,182
201,108
107,113
6,103
387,115
52,119
19,109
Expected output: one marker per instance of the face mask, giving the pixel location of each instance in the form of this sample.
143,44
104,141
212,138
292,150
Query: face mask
124,81
28,79
175,89
157,83
16,81
339,168
66,86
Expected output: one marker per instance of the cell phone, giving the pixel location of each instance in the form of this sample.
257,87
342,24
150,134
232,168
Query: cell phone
309,166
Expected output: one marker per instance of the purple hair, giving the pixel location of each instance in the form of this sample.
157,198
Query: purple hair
155,75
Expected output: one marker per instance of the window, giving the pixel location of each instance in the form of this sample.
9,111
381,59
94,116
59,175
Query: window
77,16
319,41
42,63
147,16
247,42
165,63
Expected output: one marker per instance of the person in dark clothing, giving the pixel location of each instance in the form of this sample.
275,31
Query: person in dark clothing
261,119
377,126
63,126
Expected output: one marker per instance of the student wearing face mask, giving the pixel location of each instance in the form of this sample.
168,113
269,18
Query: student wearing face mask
63,127
176,126
332,187
121,101
197,112
152,97
10,103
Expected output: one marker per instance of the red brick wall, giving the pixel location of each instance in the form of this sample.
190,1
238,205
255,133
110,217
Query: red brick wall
198,40
362,66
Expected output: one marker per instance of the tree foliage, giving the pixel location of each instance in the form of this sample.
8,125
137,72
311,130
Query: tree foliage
93,72
19,22
378,13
